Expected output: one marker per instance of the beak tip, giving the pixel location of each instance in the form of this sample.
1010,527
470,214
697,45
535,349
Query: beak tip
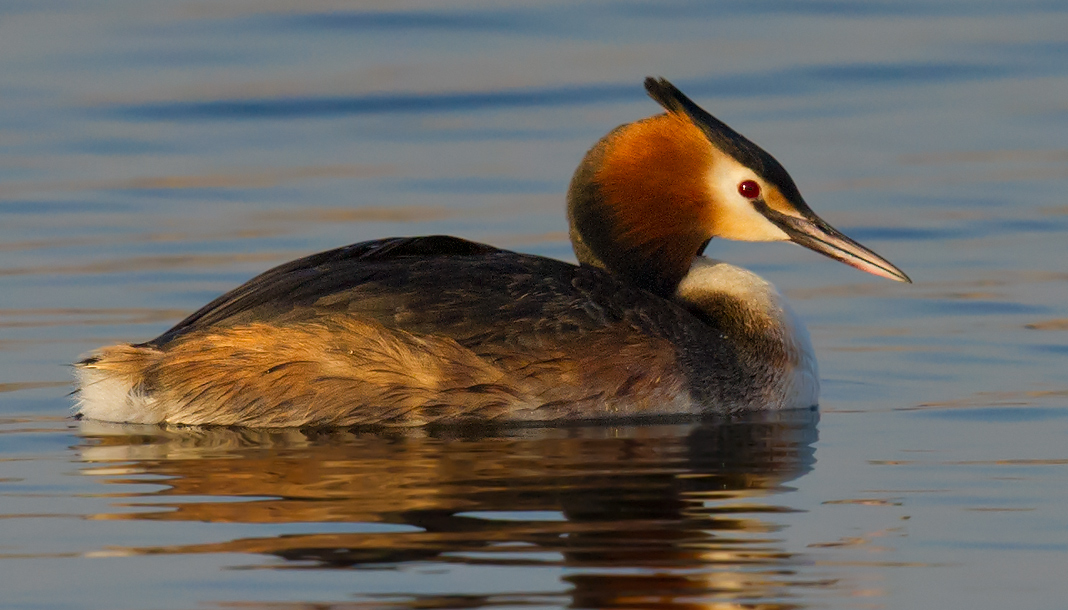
895,274
889,271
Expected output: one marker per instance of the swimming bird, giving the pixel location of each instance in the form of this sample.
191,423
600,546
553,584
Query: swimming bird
408,331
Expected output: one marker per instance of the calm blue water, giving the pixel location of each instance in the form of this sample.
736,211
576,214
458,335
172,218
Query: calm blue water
155,154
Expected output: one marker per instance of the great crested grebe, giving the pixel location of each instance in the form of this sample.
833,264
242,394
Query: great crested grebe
408,331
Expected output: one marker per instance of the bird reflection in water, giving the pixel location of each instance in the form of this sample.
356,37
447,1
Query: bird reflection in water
649,516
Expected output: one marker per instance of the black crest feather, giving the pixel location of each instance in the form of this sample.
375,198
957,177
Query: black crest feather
722,136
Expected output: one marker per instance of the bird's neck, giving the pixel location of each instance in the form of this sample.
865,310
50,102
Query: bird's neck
638,203
749,312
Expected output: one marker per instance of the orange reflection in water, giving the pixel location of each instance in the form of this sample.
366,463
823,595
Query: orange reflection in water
670,516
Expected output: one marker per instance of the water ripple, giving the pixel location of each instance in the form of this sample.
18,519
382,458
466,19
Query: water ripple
792,81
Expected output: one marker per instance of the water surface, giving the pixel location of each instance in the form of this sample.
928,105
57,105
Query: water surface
156,154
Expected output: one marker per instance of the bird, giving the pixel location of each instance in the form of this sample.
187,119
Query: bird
416,331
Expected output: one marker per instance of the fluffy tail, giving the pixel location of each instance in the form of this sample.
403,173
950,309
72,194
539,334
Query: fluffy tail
111,385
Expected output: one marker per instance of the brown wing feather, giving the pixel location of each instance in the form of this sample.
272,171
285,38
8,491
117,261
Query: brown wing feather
379,334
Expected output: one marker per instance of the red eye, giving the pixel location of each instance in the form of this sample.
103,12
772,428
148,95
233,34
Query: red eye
749,189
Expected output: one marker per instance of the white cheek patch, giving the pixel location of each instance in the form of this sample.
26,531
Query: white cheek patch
734,216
